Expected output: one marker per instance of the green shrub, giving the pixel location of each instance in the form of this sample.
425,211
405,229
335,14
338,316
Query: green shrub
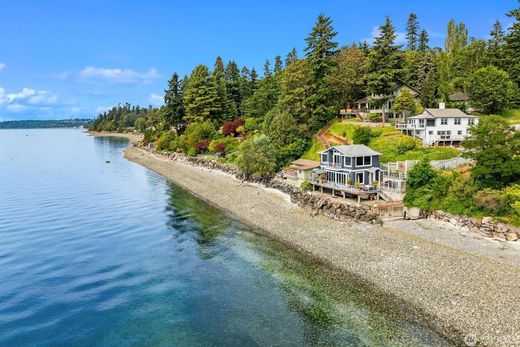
164,141
374,117
362,135
257,157
306,186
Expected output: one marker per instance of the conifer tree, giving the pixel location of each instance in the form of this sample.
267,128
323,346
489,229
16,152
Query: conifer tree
219,81
267,68
291,57
512,48
278,64
423,41
233,90
319,52
200,96
385,63
173,103
412,31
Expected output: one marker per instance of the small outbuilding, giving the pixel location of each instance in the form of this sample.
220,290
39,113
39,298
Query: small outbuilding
301,170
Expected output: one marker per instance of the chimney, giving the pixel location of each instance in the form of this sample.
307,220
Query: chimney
442,105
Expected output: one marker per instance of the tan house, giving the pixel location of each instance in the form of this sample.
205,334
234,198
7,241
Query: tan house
301,170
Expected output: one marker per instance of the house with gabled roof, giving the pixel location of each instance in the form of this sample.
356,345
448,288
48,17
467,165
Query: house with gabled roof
379,103
348,170
439,126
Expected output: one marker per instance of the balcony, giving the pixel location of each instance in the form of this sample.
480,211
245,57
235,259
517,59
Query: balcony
351,189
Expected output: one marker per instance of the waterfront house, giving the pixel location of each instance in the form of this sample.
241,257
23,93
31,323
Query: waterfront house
439,126
348,170
301,170
377,103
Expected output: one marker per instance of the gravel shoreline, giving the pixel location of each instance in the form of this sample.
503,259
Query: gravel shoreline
459,291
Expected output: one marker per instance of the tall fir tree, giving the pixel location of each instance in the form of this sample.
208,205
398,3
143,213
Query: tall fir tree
219,81
424,40
278,64
291,57
512,47
200,96
319,52
267,69
412,31
174,104
385,62
233,90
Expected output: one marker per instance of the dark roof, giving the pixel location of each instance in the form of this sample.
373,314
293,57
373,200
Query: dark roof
356,150
459,97
362,100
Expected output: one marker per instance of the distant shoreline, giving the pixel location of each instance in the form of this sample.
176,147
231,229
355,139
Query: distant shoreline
44,124
130,136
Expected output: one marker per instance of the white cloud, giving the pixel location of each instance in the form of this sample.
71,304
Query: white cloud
155,99
25,93
42,97
75,110
102,75
2,66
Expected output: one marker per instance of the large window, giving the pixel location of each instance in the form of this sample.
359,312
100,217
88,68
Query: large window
363,161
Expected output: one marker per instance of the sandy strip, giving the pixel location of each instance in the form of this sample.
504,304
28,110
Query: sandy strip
459,291
131,136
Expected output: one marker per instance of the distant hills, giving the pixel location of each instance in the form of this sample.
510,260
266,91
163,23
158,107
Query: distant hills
35,124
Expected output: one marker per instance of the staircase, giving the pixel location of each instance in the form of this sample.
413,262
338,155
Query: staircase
383,195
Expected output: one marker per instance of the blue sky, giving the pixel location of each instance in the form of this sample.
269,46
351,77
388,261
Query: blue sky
75,58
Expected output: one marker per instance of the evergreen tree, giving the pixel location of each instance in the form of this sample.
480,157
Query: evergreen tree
423,42
512,48
173,103
267,69
233,90
320,50
495,45
219,81
292,56
200,95
385,63
412,31
254,80
278,64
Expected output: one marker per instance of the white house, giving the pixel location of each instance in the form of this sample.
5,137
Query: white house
439,126
369,104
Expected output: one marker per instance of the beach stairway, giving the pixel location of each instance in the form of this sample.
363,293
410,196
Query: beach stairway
383,195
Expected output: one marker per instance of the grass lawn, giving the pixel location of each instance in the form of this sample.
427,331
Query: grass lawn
391,143
513,115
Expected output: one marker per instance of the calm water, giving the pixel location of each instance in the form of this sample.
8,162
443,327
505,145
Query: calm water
111,254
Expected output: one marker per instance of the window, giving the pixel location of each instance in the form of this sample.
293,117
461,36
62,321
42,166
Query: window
459,132
444,121
324,157
430,132
444,134
457,121
348,161
471,121
364,161
430,122
421,123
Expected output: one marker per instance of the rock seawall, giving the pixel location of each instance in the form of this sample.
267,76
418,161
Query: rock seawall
486,226
332,208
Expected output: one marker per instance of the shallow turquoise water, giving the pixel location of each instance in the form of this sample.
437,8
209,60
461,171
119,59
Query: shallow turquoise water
111,254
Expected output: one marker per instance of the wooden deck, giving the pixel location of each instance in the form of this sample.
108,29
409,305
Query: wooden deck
363,191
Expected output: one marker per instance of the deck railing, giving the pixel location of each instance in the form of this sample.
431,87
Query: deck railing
363,188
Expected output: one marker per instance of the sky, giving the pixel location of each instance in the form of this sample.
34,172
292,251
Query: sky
63,59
